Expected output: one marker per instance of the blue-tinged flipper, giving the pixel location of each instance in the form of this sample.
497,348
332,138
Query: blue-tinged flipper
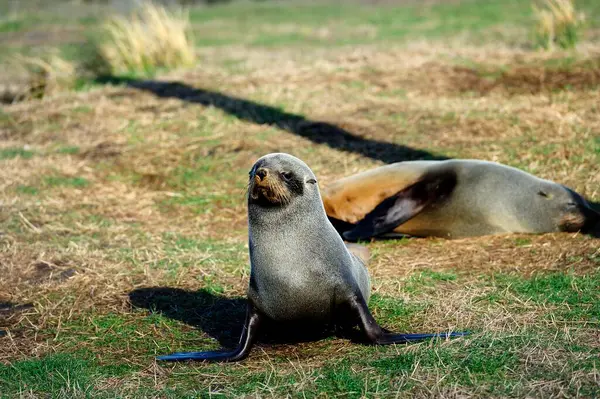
199,356
420,337
249,332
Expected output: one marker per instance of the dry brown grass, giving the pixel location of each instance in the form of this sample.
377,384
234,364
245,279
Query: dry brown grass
76,253
151,38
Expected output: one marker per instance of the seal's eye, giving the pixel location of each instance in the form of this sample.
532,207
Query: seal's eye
543,194
311,181
286,175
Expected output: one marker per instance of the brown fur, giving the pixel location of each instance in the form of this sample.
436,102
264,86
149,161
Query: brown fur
572,222
351,198
271,189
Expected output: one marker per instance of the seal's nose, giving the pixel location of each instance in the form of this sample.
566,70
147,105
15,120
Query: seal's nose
262,173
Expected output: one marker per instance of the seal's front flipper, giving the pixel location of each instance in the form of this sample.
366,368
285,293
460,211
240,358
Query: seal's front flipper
403,206
249,333
379,336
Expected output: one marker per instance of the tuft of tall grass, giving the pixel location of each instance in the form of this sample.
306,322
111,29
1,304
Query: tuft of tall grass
151,38
44,75
558,23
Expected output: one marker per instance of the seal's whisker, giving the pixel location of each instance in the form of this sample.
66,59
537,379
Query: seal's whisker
246,190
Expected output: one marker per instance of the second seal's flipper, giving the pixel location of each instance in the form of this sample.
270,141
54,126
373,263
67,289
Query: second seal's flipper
249,333
380,336
402,206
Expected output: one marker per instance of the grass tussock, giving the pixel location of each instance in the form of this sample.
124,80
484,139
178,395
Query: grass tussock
151,38
558,23
44,75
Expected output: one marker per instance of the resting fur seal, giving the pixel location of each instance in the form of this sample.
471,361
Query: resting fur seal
454,198
301,270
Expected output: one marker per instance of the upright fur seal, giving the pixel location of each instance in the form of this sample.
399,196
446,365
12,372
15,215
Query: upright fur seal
454,198
301,270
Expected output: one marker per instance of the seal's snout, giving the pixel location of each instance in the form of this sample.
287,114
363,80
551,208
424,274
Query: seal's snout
582,218
267,188
262,173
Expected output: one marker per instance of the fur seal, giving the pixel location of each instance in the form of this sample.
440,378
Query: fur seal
452,199
301,270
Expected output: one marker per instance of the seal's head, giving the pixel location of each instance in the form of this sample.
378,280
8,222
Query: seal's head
568,210
277,179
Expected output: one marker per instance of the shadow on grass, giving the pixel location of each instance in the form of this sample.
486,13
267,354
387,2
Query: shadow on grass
315,131
220,317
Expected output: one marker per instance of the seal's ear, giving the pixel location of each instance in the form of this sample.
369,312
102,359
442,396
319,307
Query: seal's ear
403,206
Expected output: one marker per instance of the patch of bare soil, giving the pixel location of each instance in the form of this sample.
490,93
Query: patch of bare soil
435,78
527,80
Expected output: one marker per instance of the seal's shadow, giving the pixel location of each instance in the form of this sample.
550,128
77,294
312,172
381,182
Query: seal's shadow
220,317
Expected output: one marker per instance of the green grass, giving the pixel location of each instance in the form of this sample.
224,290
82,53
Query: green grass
485,360
62,374
116,335
66,181
11,26
268,23
95,348
395,311
28,190
491,366
277,24
427,280
10,153
230,257
68,150
573,297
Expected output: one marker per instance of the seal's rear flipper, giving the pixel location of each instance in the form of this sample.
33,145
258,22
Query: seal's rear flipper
392,338
199,356
249,333
403,206
379,336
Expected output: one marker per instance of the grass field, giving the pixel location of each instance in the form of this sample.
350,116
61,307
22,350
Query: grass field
123,221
